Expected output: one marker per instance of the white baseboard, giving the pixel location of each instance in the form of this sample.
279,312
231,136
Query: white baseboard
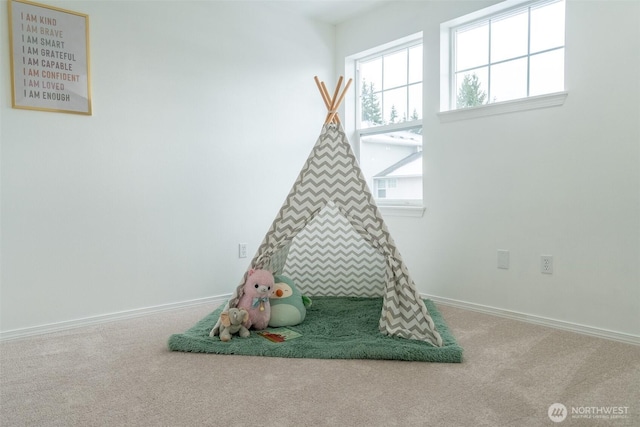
122,315
539,320
216,300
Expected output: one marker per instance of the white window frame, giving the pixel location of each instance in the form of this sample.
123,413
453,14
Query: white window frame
448,112
387,206
358,82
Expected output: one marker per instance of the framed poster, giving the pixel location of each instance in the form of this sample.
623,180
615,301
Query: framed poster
49,58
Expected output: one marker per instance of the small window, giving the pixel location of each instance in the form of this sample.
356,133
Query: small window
382,184
508,55
388,84
381,188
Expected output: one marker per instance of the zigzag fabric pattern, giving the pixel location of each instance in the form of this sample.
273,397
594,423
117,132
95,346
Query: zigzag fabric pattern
278,260
329,258
331,178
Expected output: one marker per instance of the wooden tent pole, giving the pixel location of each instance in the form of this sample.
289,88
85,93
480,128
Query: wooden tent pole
336,92
324,94
333,110
337,104
338,86
330,106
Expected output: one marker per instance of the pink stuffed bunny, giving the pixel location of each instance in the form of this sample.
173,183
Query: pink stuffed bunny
255,299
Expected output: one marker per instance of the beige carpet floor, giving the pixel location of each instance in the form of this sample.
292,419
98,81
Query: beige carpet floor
121,374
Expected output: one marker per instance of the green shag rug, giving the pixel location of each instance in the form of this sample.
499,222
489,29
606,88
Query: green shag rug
335,328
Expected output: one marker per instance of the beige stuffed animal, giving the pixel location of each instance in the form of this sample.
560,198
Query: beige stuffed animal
231,322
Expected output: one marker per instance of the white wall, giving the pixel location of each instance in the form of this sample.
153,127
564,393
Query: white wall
204,113
563,181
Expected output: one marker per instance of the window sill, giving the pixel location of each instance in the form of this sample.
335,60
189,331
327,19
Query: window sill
531,103
406,211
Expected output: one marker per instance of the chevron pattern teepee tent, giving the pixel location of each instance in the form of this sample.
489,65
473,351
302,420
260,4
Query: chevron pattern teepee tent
331,239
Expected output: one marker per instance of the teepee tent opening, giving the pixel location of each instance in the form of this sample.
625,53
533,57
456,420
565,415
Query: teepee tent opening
331,239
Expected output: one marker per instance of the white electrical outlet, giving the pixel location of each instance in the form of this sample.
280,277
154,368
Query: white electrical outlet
242,250
503,259
546,264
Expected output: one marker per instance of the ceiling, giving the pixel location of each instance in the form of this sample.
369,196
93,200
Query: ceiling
333,11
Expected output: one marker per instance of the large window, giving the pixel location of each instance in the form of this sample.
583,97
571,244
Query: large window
389,122
508,55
